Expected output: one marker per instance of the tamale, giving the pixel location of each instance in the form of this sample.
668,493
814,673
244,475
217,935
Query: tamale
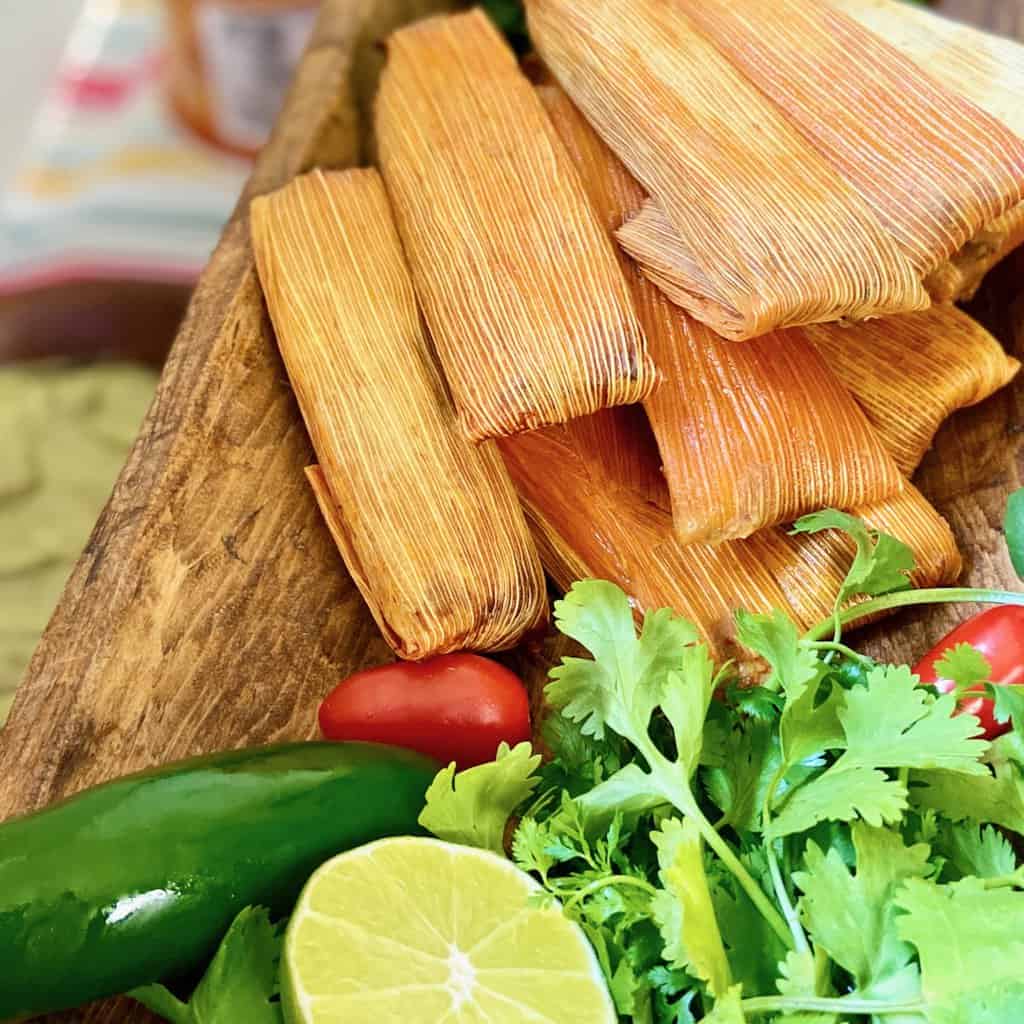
588,519
768,233
428,524
935,167
988,70
909,373
519,285
750,435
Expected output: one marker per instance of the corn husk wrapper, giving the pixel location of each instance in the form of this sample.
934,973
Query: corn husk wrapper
960,277
988,70
428,524
910,373
590,521
750,435
520,287
935,167
769,234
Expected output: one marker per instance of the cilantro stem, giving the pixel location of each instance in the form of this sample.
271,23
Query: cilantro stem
825,1004
909,599
682,799
849,652
750,886
782,897
600,883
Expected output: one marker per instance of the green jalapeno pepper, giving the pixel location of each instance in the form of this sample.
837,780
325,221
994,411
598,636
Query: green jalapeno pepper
137,880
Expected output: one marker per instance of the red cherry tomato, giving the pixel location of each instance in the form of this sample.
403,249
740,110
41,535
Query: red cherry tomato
999,635
455,707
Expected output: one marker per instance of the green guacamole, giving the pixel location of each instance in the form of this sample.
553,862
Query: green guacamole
65,431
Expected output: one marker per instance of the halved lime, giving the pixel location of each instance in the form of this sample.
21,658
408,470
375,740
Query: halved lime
418,931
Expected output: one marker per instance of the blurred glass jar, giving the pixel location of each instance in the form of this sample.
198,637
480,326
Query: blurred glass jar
231,62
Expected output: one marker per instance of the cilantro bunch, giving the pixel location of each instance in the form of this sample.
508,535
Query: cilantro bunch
836,845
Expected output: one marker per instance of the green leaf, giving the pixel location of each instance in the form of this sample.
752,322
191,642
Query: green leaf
757,701
1008,704
630,791
841,796
970,941
971,849
473,807
810,726
239,985
882,563
739,785
530,847
895,723
684,911
624,682
964,665
996,797
851,915
1014,527
685,704
752,947
775,637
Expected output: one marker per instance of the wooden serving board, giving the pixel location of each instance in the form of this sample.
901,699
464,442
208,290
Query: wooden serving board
210,608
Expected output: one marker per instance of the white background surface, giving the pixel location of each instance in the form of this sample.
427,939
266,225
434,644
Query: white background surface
32,36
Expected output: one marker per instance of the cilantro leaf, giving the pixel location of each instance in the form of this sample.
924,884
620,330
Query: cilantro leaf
628,679
892,722
579,761
685,704
630,791
683,909
533,847
810,725
851,915
752,947
473,806
977,850
239,985
1014,527
739,785
964,665
624,682
759,701
996,797
882,563
775,637
841,796
1008,704
978,932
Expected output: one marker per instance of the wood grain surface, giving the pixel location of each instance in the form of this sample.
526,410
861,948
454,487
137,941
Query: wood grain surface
210,608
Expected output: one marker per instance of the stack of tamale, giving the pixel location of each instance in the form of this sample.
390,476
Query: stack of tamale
646,316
